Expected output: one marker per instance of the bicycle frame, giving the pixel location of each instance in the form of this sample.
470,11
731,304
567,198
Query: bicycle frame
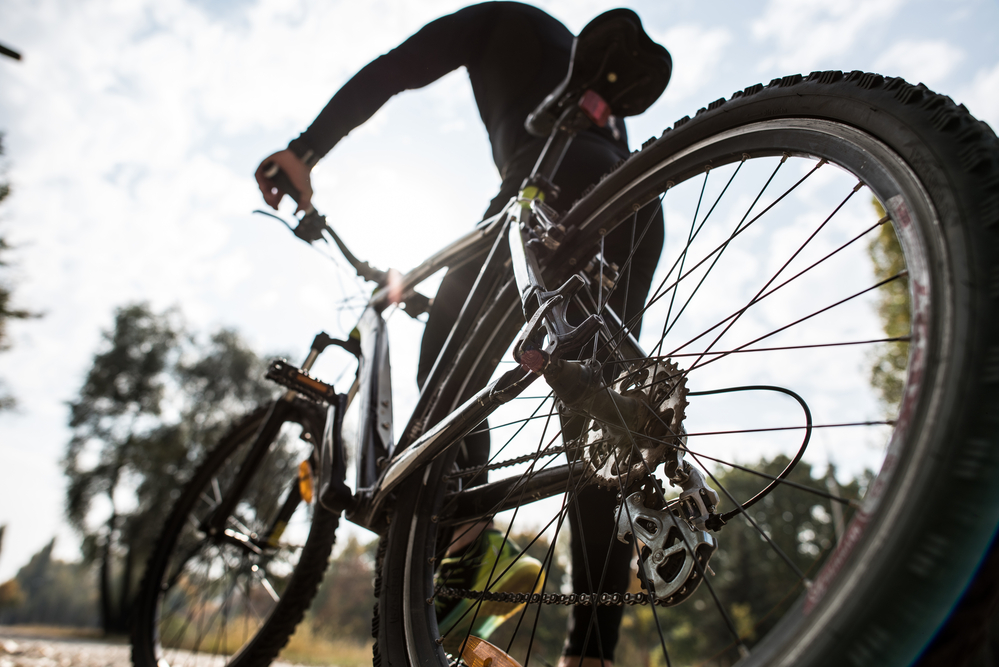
382,463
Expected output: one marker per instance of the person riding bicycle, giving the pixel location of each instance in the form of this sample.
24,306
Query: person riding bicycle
515,55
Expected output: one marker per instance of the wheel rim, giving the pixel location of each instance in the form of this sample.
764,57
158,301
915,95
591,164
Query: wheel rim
217,592
791,149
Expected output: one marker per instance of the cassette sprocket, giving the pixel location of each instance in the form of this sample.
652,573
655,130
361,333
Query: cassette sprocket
655,436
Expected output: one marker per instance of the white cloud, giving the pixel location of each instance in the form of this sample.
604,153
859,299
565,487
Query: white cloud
696,52
920,61
802,36
982,96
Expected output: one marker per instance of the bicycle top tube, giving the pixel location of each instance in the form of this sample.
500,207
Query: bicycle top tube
457,253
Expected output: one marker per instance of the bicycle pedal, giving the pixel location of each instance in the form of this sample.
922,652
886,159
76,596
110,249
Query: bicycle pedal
293,378
478,652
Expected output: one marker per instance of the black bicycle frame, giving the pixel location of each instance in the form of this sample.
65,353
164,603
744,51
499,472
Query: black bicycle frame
383,464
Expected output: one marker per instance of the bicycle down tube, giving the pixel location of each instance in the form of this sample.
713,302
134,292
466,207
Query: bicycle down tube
418,445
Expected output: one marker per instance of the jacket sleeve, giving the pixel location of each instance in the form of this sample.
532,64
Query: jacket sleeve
436,49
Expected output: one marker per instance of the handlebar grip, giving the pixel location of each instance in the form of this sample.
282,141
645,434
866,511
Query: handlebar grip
273,172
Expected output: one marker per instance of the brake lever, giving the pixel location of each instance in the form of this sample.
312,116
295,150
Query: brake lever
310,229
312,224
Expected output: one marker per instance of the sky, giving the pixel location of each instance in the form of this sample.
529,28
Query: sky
133,127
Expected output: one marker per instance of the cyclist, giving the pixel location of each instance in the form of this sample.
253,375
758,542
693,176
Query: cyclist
515,55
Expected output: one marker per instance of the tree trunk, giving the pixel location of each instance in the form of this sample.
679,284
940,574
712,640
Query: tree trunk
125,597
107,611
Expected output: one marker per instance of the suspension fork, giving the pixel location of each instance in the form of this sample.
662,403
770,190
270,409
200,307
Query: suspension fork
215,523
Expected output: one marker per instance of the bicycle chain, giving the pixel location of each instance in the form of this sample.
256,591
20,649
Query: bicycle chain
583,599
551,451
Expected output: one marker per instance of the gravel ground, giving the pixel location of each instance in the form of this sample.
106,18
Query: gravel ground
60,652
23,649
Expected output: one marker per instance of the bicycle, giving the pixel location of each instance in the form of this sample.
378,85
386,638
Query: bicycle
792,301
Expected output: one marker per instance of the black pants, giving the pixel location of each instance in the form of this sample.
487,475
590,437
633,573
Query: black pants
596,553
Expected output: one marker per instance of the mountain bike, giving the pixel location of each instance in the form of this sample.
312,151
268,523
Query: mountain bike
747,368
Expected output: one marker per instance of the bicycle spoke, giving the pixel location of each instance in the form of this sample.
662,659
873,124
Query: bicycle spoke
802,319
759,298
545,570
667,326
635,245
781,269
686,248
661,290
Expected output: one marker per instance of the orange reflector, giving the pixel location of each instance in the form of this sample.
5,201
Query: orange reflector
480,653
305,480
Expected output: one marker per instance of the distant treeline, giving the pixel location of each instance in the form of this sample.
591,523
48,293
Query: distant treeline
48,591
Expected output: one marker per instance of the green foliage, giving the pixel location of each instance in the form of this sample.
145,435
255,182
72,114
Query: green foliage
151,405
891,359
7,310
342,608
11,594
50,591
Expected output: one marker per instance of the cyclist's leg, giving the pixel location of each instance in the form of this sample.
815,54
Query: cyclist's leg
600,564
588,158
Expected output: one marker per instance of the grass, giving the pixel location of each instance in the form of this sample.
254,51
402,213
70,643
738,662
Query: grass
307,648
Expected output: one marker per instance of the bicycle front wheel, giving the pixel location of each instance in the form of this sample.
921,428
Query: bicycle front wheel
822,329
234,596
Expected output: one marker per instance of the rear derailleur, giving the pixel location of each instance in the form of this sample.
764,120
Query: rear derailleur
677,544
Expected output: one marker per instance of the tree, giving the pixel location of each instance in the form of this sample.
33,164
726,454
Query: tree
50,591
118,409
7,310
123,448
891,359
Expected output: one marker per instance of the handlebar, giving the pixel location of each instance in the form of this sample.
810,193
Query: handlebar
310,229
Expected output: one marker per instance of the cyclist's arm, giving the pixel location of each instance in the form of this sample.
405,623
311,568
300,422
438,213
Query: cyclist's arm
435,50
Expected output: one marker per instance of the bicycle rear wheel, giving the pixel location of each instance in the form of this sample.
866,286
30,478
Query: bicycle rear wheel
236,596
765,292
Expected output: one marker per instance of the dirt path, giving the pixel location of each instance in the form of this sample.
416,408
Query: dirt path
36,648
19,650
